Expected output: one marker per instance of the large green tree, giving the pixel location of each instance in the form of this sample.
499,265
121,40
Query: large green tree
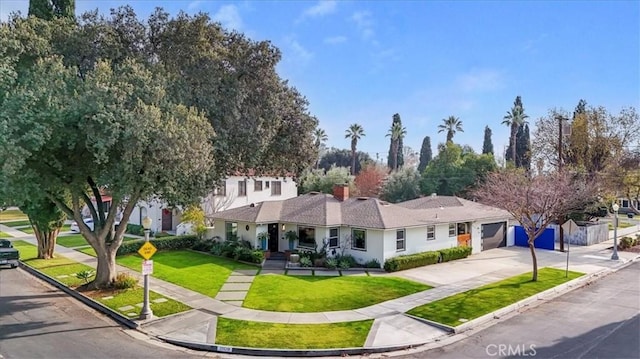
114,129
514,118
425,154
355,132
398,157
450,125
487,144
50,9
397,133
319,181
400,186
455,170
335,157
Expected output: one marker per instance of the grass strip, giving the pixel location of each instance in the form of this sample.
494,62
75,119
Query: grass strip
477,302
5,235
77,240
14,224
133,298
244,333
12,215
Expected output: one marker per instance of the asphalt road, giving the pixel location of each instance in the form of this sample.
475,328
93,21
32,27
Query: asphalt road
601,320
39,321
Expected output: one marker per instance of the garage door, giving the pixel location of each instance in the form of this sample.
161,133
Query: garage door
494,235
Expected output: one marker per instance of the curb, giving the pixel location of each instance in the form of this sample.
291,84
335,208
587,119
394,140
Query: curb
82,298
283,352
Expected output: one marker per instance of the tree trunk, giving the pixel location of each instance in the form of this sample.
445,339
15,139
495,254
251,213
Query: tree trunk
534,259
395,155
106,269
353,162
46,242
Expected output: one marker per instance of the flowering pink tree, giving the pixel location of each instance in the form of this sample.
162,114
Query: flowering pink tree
535,201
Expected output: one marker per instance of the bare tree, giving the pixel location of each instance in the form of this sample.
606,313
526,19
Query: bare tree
214,203
535,201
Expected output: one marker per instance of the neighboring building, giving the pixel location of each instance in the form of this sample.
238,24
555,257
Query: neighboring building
234,192
627,205
366,228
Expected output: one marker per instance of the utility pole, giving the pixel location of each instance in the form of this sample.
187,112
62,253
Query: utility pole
562,216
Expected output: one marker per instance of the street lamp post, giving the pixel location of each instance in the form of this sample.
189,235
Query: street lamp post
146,308
615,208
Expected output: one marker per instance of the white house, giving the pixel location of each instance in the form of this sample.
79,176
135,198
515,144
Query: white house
234,192
366,228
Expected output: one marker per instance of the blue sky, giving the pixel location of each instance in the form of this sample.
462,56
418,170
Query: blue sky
363,61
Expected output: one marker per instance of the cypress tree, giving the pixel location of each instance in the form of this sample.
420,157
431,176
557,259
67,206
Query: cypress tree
396,119
425,154
487,145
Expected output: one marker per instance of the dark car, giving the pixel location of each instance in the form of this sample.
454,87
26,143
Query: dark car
8,254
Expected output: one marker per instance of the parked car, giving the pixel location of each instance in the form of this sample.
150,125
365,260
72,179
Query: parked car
8,254
88,221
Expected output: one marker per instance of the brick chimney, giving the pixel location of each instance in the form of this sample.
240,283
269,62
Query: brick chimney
341,192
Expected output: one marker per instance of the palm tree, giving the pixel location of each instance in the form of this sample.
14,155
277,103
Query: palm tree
451,125
321,138
396,132
514,119
354,132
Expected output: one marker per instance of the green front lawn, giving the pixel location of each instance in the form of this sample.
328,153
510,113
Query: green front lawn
14,224
132,297
243,333
5,235
12,215
491,297
77,240
199,272
56,267
621,225
317,294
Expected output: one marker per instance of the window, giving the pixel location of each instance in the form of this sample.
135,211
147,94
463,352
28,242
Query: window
452,229
276,188
400,242
221,188
257,186
242,188
266,184
231,228
307,237
431,233
359,239
462,228
334,234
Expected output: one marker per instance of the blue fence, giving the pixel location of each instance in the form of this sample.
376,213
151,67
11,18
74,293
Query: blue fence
544,241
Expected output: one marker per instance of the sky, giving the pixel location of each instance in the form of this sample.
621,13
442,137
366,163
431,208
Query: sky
363,61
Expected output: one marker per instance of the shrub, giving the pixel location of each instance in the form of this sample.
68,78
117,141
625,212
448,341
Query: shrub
331,263
627,242
305,262
372,264
216,248
85,275
134,229
344,263
349,259
162,234
168,243
454,253
203,245
125,281
411,261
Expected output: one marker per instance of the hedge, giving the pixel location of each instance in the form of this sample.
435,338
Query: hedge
177,242
411,261
454,253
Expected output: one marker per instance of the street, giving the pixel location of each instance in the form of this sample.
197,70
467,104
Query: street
598,321
39,321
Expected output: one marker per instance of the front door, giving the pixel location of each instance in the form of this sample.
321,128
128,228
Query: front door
272,228
167,219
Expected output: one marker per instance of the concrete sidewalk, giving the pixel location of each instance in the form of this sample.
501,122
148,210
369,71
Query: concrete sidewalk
391,327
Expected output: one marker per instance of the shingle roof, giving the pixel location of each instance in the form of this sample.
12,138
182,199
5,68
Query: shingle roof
325,210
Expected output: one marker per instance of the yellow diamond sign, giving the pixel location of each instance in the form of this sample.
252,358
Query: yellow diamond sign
147,250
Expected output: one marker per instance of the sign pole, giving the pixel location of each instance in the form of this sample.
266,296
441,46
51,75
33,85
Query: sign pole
146,312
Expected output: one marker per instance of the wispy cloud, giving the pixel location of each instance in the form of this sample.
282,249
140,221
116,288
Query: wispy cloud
322,8
335,40
365,24
299,53
229,17
478,80
194,5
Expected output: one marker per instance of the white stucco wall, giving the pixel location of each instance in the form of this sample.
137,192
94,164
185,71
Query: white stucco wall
374,245
153,209
416,241
289,189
